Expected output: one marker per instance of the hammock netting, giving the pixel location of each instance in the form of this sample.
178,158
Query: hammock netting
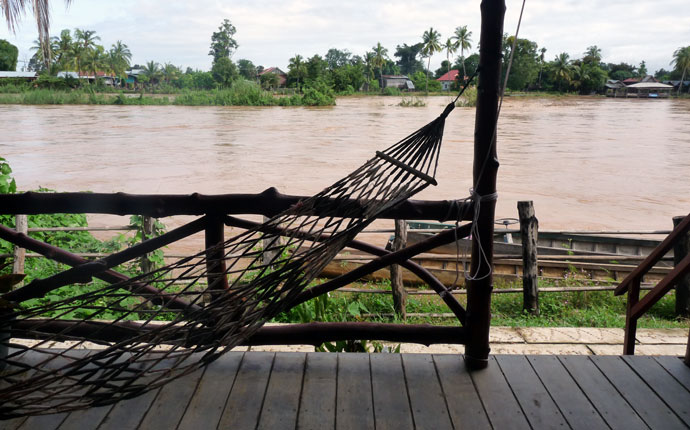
69,353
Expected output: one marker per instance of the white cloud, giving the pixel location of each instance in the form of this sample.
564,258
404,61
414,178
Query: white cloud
269,32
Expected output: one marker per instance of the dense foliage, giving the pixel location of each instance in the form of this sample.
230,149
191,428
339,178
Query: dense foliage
8,56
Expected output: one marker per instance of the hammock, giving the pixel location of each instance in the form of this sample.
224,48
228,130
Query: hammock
80,360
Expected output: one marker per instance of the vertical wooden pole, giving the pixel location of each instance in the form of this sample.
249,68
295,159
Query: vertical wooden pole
529,226
399,292
680,250
630,319
687,352
215,262
147,224
20,253
485,169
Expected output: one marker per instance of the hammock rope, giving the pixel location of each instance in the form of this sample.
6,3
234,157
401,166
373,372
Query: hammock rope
78,359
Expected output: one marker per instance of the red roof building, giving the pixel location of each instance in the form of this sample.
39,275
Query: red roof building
448,78
282,76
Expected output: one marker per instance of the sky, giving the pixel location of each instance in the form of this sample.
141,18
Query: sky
270,32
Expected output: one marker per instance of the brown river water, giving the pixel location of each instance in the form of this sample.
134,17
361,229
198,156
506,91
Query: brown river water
587,163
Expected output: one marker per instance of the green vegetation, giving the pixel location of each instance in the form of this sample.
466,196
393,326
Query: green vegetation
8,56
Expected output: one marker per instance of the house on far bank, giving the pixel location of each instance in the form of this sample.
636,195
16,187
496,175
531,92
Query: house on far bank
25,76
107,79
686,85
615,88
649,89
282,76
397,81
447,79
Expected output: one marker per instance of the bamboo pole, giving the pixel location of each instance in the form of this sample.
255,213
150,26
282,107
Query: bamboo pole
485,169
529,226
19,252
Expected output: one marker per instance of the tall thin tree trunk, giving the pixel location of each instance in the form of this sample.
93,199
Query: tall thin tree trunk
682,78
464,72
428,64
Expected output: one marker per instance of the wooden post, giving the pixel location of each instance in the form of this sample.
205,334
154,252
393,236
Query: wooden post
687,352
680,250
215,262
269,244
485,169
630,319
529,227
147,224
399,293
20,253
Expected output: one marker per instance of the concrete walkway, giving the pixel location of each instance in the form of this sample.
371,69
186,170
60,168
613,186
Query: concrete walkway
553,341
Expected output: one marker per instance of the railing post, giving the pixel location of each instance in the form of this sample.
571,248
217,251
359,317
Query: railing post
20,253
630,319
680,250
147,224
399,292
529,227
215,261
687,352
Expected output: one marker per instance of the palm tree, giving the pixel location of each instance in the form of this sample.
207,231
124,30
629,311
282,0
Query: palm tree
542,51
464,39
119,57
380,54
451,47
297,68
681,61
594,53
14,9
87,38
64,44
152,72
170,72
430,39
369,67
42,51
562,68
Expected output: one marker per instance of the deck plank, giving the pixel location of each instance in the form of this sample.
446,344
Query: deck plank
391,402
246,397
645,402
571,401
663,383
171,402
317,403
499,402
354,403
536,402
281,403
12,423
464,405
85,418
43,422
677,368
209,399
127,414
429,408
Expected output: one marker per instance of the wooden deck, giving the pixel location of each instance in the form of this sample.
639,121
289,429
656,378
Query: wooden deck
266,390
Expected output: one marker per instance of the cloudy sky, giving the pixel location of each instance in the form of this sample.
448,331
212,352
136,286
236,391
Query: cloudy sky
269,32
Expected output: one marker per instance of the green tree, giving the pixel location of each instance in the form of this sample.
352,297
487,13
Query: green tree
337,58
224,72
463,37
430,39
297,69
8,56
525,66
316,68
380,54
269,81
223,45
152,72
64,46
407,55
681,61
542,51
642,70
247,69
592,55
369,67
119,57
562,69
451,47
42,51
170,73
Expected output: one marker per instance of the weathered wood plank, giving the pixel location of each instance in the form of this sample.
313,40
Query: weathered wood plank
281,403
677,368
12,423
464,406
171,402
244,403
317,403
501,406
129,413
571,401
43,422
636,392
536,402
85,418
663,383
613,408
209,399
428,404
391,402
354,404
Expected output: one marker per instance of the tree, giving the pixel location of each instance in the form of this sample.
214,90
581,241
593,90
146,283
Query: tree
13,9
542,51
464,39
337,58
247,69
642,70
681,61
119,57
369,67
451,47
269,81
41,51
430,39
407,55
224,72
316,68
223,44
151,72
297,69
170,73
8,56
592,55
380,54
525,67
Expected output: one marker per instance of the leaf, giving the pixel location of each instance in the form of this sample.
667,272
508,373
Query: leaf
353,309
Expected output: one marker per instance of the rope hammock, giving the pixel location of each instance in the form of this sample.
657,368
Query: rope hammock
201,306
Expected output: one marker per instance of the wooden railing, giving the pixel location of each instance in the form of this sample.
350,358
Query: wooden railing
631,284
